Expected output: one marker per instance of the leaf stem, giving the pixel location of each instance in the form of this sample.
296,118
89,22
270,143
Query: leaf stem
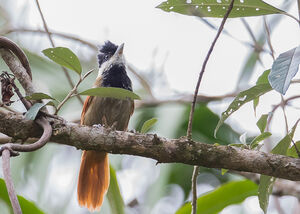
74,90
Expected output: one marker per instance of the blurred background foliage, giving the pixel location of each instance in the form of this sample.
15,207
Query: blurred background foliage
48,177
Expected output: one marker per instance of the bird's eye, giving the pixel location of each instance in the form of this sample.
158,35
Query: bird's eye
106,57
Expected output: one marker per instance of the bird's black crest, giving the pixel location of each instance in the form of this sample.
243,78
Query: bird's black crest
106,51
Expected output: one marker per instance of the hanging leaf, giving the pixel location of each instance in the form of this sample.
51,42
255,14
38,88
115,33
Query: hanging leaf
39,96
242,98
33,111
148,125
264,190
27,207
284,69
64,57
114,195
218,8
262,79
262,122
254,143
233,192
266,182
118,93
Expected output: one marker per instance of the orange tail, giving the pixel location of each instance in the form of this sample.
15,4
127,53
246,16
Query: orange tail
93,179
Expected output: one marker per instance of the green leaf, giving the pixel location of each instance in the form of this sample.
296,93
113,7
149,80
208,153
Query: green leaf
233,192
262,122
292,152
262,79
27,207
114,195
223,171
118,93
284,69
218,8
39,96
33,111
259,138
264,190
64,57
148,125
242,98
266,182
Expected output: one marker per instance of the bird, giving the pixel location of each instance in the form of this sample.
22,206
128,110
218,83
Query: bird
93,179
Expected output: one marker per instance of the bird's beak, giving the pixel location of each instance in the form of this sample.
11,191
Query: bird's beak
119,51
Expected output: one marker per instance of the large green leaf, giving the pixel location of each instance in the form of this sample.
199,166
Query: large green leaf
64,57
242,98
27,207
284,69
233,192
118,93
218,8
204,125
266,182
114,195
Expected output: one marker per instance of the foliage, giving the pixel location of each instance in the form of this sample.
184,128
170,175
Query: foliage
27,207
233,192
218,8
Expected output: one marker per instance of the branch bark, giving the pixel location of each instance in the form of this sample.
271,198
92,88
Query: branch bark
151,146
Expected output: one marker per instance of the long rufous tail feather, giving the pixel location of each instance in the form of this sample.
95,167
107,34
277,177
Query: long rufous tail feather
93,179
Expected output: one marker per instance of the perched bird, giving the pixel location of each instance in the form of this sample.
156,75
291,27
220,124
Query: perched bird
93,180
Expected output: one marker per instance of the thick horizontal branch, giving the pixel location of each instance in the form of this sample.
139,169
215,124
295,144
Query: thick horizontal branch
151,146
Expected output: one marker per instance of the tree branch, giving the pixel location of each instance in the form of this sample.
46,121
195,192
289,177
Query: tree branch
151,146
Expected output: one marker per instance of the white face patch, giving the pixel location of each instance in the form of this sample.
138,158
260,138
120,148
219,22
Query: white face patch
114,60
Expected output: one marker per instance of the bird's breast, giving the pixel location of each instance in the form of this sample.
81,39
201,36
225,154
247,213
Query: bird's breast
109,111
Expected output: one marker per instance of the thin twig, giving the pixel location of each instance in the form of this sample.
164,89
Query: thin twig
59,34
53,45
8,181
189,129
284,115
73,91
298,2
194,189
257,47
269,38
143,82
